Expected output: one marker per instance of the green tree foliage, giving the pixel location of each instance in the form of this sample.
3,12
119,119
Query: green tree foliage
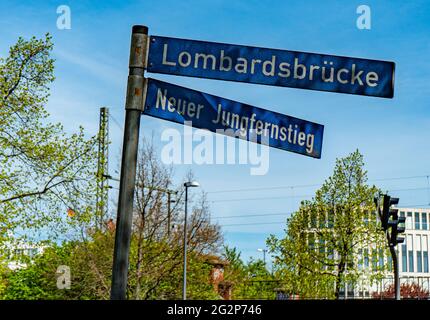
3,272
156,255
332,239
43,170
249,280
89,262
90,265
38,280
156,251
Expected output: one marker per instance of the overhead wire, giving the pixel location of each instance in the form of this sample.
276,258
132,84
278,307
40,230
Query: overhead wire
116,122
308,185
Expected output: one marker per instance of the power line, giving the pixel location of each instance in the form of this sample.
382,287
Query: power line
262,198
428,192
301,196
253,215
412,205
399,178
116,122
297,196
266,188
309,185
280,222
410,189
251,224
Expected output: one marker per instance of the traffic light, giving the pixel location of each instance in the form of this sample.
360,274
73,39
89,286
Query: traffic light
390,218
397,225
387,211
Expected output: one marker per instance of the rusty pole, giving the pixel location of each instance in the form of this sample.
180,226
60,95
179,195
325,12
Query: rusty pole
136,87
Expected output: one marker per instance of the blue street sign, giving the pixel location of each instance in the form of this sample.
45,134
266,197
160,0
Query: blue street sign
274,67
205,111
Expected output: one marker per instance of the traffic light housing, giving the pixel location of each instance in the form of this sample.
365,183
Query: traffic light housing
387,211
390,219
397,227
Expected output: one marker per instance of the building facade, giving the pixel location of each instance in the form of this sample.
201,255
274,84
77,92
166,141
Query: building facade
16,252
413,257
414,252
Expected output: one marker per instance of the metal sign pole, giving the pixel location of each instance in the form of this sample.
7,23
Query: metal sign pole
136,87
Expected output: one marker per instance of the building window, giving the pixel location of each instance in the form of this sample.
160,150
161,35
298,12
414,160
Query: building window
409,221
374,259
417,221
360,259
411,260
350,291
32,252
419,262
404,259
424,220
322,248
426,261
330,255
330,221
366,217
390,263
322,220
311,241
402,214
366,258
373,218
313,219
381,258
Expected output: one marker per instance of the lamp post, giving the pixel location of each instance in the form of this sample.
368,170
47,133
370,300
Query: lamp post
184,284
169,201
264,255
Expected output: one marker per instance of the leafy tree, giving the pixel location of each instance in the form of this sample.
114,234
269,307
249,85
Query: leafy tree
38,280
198,281
90,265
156,255
3,272
156,251
249,280
43,171
333,239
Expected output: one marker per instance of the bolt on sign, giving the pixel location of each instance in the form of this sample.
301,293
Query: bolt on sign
205,111
274,67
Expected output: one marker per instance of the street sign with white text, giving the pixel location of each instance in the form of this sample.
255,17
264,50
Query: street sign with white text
205,111
274,67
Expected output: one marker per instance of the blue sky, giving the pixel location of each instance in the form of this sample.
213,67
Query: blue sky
393,134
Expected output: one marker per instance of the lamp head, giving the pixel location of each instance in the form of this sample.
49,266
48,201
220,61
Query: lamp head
191,184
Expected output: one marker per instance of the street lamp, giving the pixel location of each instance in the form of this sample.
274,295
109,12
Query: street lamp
264,255
169,201
187,185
